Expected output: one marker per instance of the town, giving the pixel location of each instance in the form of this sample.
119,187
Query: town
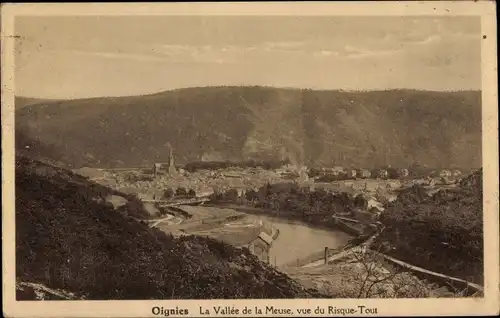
238,202
163,180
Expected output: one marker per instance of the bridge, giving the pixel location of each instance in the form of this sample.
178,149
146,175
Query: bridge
168,203
347,219
124,168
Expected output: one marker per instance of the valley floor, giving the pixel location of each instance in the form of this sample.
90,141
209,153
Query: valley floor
345,275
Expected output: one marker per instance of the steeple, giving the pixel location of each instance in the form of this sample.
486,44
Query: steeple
171,157
171,163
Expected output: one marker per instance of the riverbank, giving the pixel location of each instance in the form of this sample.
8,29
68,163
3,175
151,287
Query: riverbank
291,218
224,224
311,255
289,257
298,240
288,240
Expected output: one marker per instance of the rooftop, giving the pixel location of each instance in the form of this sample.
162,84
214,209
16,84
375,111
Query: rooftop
266,238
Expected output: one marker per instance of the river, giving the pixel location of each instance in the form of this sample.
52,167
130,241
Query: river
298,240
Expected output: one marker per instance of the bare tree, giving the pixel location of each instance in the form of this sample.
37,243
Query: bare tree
379,280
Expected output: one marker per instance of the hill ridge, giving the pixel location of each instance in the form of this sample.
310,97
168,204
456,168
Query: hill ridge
313,127
43,99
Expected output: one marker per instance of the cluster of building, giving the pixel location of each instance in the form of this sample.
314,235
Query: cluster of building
165,167
302,174
294,172
202,182
342,173
152,184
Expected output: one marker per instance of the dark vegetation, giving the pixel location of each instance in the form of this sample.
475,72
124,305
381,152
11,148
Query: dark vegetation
168,193
134,208
34,148
21,102
332,177
288,200
443,233
366,129
179,193
131,177
215,165
65,239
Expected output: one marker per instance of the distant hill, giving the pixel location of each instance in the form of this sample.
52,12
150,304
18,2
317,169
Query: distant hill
67,239
35,149
318,128
21,101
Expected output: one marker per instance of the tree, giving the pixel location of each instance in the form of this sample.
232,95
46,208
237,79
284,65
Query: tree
168,193
216,196
392,173
375,280
268,189
191,193
181,192
344,199
274,202
416,170
360,202
251,196
231,195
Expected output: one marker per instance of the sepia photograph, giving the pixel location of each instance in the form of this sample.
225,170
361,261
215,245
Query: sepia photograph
206,157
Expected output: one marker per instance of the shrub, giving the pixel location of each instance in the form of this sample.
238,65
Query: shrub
168,193
181,192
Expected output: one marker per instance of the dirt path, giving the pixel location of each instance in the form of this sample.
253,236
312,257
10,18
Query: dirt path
169,218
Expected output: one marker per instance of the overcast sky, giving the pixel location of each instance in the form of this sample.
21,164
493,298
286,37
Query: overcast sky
76,57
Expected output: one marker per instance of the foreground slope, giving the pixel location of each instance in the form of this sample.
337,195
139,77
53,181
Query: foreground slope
67,239
397,127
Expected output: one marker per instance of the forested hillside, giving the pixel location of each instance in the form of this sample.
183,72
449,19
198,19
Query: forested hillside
21,102
396,127
443,232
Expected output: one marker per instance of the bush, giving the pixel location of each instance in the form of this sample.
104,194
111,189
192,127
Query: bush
181,192
168,193
360,202
231,195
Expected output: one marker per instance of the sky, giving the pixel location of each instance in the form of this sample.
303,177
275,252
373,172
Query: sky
90,56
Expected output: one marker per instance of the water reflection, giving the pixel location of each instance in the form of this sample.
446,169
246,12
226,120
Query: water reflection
297,240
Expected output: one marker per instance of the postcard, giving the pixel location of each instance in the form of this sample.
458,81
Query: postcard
291,159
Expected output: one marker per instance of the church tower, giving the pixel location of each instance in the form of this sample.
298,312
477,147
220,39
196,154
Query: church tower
171,163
